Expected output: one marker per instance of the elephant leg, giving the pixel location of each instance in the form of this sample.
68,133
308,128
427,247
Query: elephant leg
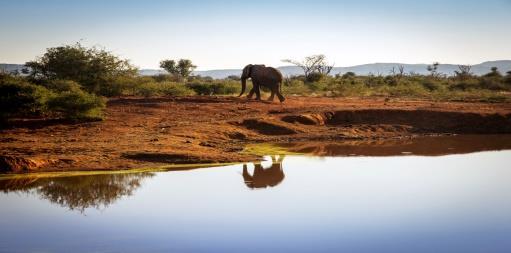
251,93
272,95
281,98
257,91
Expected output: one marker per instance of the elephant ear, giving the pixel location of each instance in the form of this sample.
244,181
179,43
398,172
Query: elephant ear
247,71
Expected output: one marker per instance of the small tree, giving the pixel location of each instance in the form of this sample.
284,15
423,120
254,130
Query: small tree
182,68
93,68
401,71
433,69
463,72
349,74
312,66
234,77
494,72
170,66
508,78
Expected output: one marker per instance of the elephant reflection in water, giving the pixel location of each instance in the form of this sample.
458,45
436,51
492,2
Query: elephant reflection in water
265,177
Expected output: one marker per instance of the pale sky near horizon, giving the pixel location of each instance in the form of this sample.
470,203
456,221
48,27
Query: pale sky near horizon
230,34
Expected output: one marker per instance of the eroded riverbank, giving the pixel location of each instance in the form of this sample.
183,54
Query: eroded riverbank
139,132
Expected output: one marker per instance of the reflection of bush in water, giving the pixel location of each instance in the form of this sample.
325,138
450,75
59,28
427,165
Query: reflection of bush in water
79,192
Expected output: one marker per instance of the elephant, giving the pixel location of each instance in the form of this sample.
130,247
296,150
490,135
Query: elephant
264,177
262,76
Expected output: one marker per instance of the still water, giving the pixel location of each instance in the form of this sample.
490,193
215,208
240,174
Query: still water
385,202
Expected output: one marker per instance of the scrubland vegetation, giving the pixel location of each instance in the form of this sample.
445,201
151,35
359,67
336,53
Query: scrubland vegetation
73,82
488,88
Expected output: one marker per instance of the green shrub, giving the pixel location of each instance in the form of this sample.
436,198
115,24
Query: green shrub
77,104
430,84
146,89
296,87
410,90
174,89
374,81
315,77
391,80
352,90
124,85
21,98
349,75
215,88
165,78
507,79
162,89
60,98
492,83
63,85
116,86
93,68
464,85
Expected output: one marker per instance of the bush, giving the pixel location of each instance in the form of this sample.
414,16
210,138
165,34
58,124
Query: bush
315,77
124,85
391,80
352,89
469,84
162,89
296,87
63,85
349,75
77,104
174,89
215,88
430,84
374,81
199,78
21,98
410,90
92,68
165,78
62,98
507,79
492,83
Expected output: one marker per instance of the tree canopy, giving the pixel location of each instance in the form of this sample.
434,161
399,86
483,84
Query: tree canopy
313,66
93,68
183,68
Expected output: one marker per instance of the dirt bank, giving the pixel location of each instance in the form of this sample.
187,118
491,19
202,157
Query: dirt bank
140,132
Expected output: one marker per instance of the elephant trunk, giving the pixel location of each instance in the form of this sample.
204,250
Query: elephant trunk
243,86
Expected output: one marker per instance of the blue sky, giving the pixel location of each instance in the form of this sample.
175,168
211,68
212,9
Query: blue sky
231,34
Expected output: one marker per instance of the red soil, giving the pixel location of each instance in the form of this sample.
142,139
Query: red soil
141,132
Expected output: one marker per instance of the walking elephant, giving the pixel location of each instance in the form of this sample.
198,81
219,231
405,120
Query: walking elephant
262,76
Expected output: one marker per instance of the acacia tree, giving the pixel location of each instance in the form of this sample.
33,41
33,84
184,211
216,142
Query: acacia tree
313,65
399,73
182,68
463,72
433,69
494,72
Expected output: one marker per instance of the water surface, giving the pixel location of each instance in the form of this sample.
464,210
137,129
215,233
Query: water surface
448,202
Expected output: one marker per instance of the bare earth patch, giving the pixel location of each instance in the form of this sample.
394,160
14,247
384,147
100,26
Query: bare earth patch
145,132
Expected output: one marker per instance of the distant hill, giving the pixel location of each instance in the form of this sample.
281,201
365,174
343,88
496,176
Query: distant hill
448,69
375,68
11,67
365,69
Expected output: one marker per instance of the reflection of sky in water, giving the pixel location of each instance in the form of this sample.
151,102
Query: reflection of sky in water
455,203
